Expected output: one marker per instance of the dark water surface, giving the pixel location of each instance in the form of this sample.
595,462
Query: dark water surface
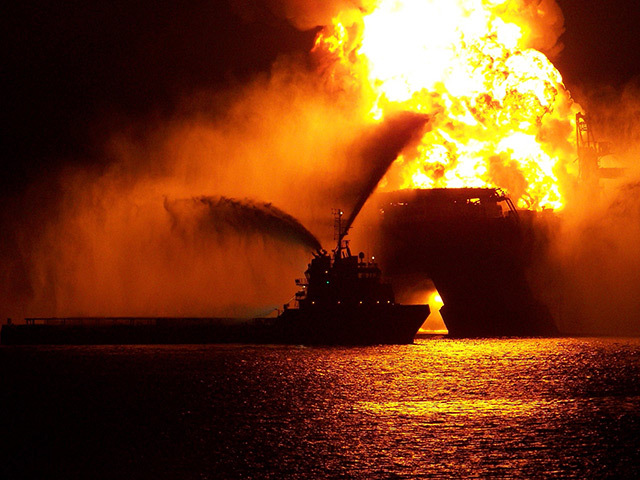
509,408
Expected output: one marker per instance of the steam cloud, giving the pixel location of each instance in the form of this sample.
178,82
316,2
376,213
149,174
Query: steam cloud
111,245
592,274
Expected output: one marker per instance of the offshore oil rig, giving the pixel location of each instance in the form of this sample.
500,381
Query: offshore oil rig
478,249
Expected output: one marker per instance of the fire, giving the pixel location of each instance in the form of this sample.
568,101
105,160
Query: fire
500,114
434,323
436,300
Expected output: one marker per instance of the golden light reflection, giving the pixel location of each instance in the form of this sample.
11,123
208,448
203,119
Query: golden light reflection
502,407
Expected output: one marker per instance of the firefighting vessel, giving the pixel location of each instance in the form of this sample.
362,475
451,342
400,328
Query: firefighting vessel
342,300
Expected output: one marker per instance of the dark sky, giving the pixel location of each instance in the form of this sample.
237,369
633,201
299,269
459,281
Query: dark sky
73,66
602,42
70,66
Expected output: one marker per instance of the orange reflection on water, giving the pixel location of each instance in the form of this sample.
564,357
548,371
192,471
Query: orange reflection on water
432,410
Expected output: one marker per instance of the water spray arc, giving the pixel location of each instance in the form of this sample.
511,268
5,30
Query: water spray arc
219,215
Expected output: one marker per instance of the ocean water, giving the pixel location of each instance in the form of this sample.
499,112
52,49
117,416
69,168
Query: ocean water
505,408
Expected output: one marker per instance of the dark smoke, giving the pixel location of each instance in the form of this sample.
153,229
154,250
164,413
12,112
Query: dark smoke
594,274
221,215
589,276
599,263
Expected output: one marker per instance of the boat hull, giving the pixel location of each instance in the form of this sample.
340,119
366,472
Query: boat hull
351,325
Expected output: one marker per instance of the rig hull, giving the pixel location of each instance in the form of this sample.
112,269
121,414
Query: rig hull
475,252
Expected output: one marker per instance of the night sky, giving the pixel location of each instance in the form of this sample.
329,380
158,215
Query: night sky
73,70
602,42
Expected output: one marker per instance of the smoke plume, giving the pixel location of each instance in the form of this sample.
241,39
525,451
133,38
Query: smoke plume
543,17
590,276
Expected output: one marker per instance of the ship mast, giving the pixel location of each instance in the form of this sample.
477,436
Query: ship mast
339,232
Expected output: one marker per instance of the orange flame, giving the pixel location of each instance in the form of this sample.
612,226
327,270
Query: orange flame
501,116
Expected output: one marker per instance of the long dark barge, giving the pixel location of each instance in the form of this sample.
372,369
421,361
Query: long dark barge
369,325
135,330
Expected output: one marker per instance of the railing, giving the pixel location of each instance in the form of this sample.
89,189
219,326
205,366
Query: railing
127,321
91,321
